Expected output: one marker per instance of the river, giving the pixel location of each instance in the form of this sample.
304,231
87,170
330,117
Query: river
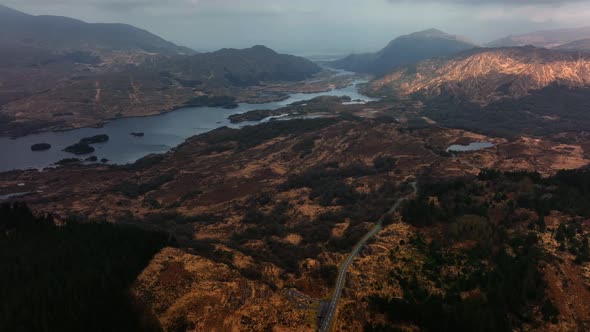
162,133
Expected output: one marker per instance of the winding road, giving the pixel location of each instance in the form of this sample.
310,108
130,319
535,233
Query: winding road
327,321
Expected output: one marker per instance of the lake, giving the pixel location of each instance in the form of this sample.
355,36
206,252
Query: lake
162,133
475,146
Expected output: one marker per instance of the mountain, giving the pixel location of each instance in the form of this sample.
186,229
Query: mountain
405,50
578,45
62,34
547,39
504,92
244,67
485,75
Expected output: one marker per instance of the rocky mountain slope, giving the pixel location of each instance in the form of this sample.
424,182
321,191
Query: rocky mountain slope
405,50
504,92
548,38
486,75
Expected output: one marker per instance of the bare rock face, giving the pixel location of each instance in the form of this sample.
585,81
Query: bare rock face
486,75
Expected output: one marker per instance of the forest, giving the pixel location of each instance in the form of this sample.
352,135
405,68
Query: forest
74,276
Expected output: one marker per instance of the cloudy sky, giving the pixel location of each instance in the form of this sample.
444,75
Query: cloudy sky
317,26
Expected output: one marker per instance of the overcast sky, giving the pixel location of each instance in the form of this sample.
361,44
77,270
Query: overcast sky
317,26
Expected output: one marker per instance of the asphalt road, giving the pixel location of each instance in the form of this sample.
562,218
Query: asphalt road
326,323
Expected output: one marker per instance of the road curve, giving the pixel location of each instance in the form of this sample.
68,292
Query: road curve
326,323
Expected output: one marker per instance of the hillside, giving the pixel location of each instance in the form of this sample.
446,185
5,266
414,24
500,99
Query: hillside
547,39
504,92
486,75
405,50
63,34
264,215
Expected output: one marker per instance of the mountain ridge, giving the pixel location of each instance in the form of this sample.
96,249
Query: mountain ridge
60,34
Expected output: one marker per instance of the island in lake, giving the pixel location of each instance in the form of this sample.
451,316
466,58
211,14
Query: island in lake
40,147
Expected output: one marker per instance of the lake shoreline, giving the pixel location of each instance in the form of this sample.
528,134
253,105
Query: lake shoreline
324,84
162,132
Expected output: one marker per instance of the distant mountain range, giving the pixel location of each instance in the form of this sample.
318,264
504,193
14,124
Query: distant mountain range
60,34
547,39
405,50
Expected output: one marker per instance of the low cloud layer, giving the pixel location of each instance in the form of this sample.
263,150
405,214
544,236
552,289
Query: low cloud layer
317,26
494,2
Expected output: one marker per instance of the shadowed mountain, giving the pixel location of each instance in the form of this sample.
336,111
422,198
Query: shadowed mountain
547,39
405,50
62,34
237,67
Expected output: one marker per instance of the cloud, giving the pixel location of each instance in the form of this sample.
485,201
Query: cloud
102,4
494,2
207,8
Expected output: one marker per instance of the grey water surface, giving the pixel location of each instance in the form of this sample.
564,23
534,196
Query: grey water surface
162,133
475,146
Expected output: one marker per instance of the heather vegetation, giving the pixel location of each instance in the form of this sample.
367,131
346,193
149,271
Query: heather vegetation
251,136
498,284
494,292
270,221
133,189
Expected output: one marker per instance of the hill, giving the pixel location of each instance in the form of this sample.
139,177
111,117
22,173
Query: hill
405,50
547,38
62,34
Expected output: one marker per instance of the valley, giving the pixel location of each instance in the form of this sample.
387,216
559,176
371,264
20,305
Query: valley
434,185
260,210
